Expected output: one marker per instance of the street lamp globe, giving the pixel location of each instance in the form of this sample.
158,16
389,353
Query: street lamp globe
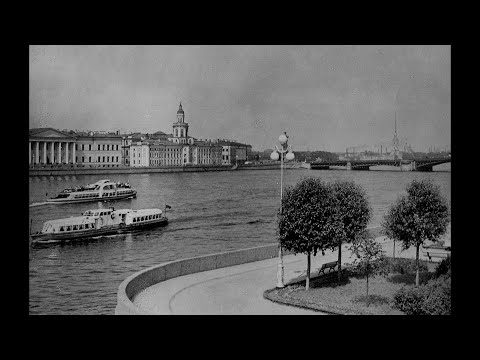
290,156
282,138
274,156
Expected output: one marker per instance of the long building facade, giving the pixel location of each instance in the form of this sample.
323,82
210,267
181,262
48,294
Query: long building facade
53,147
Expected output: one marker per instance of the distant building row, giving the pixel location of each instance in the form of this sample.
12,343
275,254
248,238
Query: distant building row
95,149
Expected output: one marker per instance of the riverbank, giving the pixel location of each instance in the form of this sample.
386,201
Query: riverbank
71,170
234,283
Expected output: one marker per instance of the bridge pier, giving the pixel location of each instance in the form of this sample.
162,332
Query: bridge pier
408,167
425,168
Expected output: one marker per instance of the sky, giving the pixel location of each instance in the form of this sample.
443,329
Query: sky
325,97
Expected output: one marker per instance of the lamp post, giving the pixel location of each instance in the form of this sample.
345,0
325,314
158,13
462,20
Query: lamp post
285,149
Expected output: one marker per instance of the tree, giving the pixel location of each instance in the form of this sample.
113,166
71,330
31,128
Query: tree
350,213
370,257
304,220
420,215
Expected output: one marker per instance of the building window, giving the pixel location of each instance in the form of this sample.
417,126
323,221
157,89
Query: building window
103,159
108,146
89,147
103,147
83,147
98,147
98,159
89,159
83,159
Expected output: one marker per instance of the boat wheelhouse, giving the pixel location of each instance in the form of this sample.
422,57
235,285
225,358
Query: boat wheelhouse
99,191
100,222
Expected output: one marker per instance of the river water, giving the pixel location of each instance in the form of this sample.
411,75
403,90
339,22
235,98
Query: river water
211,212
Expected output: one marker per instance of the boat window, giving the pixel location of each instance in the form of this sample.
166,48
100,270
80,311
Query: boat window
80,227
69,228
61,228
75,227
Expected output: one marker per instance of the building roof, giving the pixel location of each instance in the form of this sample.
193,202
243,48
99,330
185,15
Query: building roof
50,132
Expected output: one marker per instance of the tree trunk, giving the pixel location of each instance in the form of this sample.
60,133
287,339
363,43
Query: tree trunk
339,261
394,248
307,285
417,266
368,302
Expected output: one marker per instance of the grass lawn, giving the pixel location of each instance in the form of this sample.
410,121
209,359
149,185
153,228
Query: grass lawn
349,296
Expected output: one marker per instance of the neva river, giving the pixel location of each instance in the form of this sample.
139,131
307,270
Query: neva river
211,212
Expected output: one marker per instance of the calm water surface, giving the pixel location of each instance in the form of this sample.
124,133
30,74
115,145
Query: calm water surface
211,212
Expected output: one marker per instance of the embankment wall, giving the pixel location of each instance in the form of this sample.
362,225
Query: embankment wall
141,280
145,170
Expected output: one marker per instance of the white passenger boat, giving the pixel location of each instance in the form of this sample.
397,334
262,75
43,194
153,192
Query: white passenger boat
99,191
99,222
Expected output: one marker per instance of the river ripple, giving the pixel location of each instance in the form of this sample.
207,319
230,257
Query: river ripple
211,212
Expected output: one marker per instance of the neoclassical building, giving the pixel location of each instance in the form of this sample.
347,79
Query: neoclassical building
102,149
50,146
99,149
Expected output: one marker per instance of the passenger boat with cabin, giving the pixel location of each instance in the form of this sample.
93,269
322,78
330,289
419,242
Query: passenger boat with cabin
99,191
99,222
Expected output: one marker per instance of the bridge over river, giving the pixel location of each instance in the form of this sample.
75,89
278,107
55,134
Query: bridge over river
406,165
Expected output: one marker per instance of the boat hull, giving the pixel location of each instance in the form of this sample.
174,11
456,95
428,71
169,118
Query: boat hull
107,230
106,198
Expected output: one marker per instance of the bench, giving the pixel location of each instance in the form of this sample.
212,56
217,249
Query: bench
436,253
330,266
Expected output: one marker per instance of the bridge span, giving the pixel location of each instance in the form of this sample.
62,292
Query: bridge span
407,165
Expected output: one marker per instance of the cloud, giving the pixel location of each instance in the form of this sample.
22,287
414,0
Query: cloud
323,95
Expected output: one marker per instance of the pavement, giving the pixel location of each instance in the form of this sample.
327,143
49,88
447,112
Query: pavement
238,290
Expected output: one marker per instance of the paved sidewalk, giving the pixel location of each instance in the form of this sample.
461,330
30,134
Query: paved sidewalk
239,289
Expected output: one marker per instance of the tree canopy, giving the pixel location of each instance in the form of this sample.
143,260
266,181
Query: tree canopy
305,218
420,215
317,216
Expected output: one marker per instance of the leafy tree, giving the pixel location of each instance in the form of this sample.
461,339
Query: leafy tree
370,257
305,220
420,215
350,213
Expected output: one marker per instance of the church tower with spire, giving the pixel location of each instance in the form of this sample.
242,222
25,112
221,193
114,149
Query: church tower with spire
395,141
180,128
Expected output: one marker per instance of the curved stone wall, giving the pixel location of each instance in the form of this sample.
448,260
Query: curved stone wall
141,280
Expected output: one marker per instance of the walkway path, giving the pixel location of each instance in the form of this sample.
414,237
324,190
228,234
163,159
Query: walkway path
239,289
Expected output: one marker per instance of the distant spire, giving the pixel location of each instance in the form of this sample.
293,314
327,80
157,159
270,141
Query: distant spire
395,123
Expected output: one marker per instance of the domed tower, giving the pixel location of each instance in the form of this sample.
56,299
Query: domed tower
180,128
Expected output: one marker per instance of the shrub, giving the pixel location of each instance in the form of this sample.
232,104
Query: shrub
444,267
437,296
409,300
404,266
433,298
